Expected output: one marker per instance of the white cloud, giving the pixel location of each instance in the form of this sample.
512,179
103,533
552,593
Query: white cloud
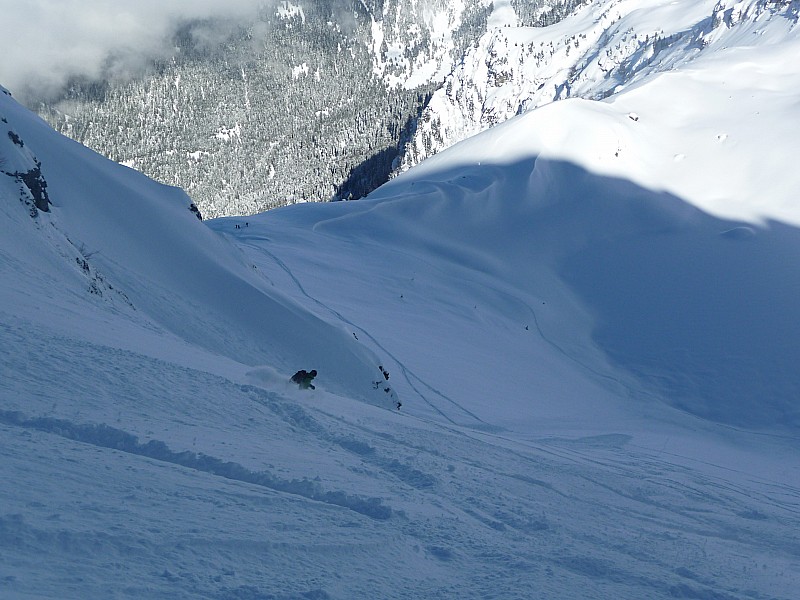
45,42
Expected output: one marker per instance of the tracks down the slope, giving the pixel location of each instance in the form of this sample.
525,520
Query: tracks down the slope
105,436
415,382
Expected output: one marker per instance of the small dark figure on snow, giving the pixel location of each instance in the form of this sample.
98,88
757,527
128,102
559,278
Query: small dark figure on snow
304,378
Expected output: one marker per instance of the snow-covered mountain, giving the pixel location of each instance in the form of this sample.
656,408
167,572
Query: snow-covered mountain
308,100
588,314
369,90
604,48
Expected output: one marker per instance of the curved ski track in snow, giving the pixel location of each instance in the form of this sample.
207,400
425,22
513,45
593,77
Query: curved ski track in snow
259,246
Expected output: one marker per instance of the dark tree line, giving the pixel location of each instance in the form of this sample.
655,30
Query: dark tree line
541,13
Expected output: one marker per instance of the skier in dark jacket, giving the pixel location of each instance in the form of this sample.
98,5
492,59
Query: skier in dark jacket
304,378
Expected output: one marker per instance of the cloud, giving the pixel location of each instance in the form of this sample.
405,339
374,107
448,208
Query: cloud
44,43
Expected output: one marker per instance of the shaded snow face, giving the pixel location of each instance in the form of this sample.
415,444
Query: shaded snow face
530,266
702,310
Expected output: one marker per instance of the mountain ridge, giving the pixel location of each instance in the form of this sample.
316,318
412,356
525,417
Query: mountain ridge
311,102
596,53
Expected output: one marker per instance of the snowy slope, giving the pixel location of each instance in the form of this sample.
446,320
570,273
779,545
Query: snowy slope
543,305
604,48
560,293
142,237
594,351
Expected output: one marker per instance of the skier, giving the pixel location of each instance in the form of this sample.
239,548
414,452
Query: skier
304,378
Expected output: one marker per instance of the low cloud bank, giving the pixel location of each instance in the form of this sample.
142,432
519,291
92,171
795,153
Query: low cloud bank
45,43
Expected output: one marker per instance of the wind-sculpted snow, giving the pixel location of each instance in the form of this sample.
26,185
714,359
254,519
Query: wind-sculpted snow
105,436
702,315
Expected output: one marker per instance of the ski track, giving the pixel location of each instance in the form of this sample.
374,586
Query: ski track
472,513
668,495
408,374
